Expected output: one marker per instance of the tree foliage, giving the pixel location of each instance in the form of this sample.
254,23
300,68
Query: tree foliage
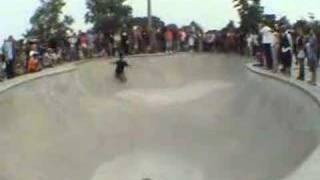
314,23
47,22
229,27
107,15
251,14
197,27
143,22
283,21
307,25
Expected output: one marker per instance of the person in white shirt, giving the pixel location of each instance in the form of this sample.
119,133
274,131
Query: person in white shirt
267,42
276,48
9,49
252,43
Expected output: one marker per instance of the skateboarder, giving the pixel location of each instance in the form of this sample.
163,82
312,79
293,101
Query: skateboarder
121,64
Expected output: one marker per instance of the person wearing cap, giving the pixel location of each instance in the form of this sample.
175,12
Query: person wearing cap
267,42
33,63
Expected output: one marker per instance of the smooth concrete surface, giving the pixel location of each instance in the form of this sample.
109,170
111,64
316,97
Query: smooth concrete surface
187,116
309,169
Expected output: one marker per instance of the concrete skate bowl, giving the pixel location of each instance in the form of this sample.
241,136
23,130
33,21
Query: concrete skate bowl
181,117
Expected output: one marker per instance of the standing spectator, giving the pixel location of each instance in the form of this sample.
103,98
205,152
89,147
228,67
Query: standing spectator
301,55
286,51
267,41
136,39
111,44
318,38
84,42
191,42
125,42
2,66
10,54
169,41
252,43
312,51
91,39
117,44
73,54
208,42
182,40
101,44
20,58
276,48
160,39
242,43
145,41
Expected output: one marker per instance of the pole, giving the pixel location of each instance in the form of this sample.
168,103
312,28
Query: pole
152,43
149,15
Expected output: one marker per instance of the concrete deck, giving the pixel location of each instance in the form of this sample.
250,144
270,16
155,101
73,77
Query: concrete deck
187,116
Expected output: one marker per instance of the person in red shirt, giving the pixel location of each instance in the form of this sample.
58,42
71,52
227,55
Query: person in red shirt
33,63
84,43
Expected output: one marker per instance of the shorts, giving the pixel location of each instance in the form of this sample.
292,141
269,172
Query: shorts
169,45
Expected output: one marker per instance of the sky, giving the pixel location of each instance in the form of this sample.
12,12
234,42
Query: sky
211,14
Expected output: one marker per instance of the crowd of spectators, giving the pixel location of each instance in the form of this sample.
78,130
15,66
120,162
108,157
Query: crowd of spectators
278,48
275,48
32,55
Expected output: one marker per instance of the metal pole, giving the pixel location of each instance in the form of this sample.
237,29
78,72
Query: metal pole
152,43
149,15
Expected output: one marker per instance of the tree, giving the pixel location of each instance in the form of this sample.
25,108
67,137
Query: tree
251,14
302,24
107,15
314,23
283,21
46,22
143,22
229,27
316,26
197,27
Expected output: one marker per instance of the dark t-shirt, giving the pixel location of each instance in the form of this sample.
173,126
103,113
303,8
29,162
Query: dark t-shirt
120,66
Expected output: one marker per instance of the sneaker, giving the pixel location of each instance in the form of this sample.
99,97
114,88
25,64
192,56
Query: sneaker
312,83
300,78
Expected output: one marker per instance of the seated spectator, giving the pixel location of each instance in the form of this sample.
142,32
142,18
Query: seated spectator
50,58
33,63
